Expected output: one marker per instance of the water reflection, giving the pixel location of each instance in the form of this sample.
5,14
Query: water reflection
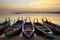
54,18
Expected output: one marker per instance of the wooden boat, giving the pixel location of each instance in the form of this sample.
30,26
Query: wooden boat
4,25
28,29
42,30
15,29
55,28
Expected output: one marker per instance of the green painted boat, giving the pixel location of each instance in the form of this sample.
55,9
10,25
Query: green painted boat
4,25
15,29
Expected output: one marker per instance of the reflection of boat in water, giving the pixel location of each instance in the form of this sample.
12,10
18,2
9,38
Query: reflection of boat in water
55,28
28,29
15,29
42,30
4,25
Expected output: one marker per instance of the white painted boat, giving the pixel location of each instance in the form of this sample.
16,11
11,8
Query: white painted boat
28,29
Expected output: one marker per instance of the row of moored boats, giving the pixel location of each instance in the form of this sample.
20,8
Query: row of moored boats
29,28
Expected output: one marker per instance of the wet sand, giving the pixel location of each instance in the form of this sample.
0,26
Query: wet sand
57,38
33,38
23,38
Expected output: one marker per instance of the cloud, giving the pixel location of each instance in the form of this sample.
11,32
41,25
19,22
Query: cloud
31,4
45,4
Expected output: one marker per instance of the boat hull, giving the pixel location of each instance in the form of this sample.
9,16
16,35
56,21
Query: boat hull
2,27
56,32
13,33
52,27
27,34
40,33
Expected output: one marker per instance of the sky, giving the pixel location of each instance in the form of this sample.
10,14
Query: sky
31,4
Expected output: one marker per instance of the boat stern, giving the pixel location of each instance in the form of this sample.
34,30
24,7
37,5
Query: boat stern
51,35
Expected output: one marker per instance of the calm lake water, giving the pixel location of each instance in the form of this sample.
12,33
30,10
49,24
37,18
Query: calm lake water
54,18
